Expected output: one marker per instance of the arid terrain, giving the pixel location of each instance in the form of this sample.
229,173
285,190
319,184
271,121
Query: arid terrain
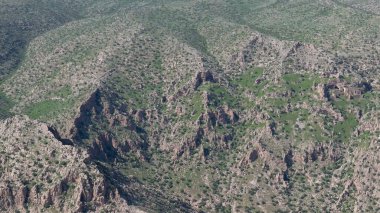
189,106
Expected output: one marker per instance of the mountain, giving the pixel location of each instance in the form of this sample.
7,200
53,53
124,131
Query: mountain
189,106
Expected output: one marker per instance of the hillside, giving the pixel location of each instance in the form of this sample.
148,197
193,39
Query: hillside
189,106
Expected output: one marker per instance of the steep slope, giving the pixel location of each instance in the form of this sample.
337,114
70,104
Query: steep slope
38,172
256,106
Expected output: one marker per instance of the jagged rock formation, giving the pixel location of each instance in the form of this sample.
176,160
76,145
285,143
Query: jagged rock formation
166,107
39,172
104,145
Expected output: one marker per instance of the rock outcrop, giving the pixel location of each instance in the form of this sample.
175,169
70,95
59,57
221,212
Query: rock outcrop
40,173
104,145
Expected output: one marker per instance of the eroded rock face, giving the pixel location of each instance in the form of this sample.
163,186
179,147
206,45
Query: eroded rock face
103,144
201,77
250,157
39,172
337,88
260,50
139,67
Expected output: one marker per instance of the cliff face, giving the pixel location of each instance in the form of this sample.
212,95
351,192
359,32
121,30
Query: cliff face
101,141
164,106
39,172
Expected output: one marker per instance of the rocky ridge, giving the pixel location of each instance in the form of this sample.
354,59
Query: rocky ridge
42,173
192,117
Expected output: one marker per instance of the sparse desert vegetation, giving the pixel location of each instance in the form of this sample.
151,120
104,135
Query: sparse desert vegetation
189,106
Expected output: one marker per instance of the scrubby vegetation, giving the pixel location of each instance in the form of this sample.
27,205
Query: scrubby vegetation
226,106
